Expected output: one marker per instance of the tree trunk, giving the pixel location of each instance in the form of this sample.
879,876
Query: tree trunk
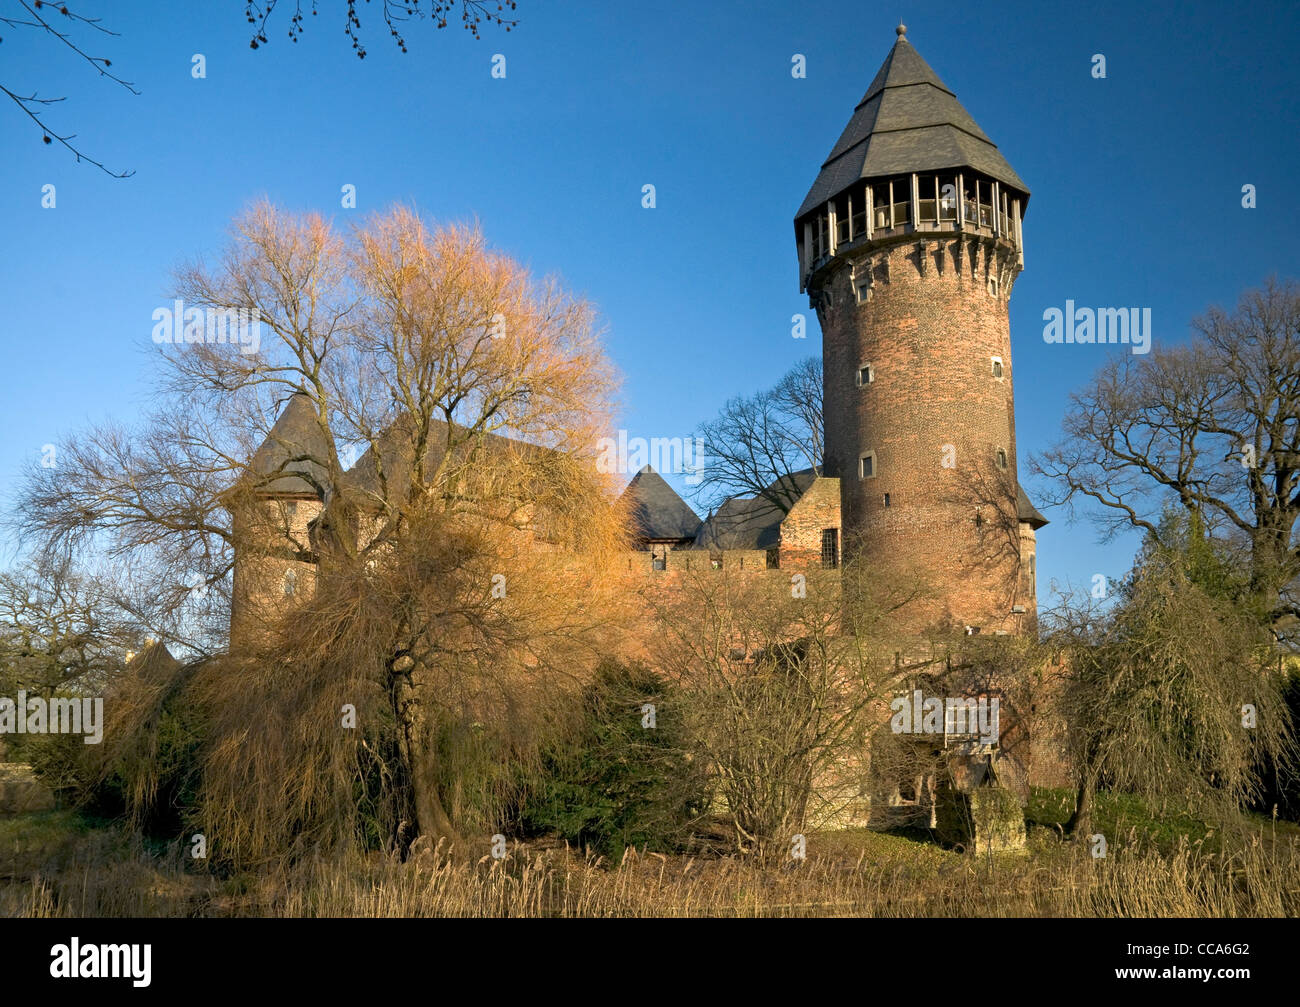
426,816
1081,821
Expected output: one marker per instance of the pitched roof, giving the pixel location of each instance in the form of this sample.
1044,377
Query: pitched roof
291,447
655,509
752,522
907,121
742,523
154,663
1027,511
396,457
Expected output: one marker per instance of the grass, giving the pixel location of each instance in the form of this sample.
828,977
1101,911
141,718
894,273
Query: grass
62,864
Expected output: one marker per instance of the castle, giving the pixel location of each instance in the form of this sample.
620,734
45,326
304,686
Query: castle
909,243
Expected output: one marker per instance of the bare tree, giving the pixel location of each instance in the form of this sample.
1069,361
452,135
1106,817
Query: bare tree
56,627
57,22
479,394
1172,693
473,13
1214,427
42,18
789,685
758,443
59,630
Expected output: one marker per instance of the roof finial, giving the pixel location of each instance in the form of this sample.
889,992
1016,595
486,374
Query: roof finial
901,30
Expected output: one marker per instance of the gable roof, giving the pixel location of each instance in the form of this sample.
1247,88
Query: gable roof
395,458
907,121
752,522
655,509
294,440
742,523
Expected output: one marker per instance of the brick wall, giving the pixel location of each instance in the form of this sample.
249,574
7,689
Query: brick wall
935,415
801,531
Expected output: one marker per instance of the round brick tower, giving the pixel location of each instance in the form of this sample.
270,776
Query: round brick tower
909,244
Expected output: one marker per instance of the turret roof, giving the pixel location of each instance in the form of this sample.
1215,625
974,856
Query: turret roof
656,511
908,121
289,461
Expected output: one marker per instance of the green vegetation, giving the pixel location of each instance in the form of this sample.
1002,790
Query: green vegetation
619,782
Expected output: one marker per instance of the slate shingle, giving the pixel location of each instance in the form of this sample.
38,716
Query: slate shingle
655,509
908,121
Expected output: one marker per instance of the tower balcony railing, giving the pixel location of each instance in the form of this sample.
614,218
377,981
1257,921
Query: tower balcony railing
891,221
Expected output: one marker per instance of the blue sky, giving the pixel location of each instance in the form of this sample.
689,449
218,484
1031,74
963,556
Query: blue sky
1136,179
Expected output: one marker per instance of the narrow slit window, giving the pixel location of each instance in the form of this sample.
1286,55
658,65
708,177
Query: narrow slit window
1002,459
997,367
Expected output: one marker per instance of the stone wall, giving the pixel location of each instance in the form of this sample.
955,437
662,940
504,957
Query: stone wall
263,582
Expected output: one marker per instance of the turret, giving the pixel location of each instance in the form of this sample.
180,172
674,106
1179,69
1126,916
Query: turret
909,244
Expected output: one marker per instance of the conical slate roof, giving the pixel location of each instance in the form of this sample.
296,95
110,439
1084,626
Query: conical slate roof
908,121
1027,511
154,663
656,511
296,444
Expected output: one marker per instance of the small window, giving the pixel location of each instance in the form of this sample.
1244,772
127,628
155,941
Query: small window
886,499
993,286
774,559
867,466
290,583
1002,459
866,375
830,548
659,557
715,561
997,367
